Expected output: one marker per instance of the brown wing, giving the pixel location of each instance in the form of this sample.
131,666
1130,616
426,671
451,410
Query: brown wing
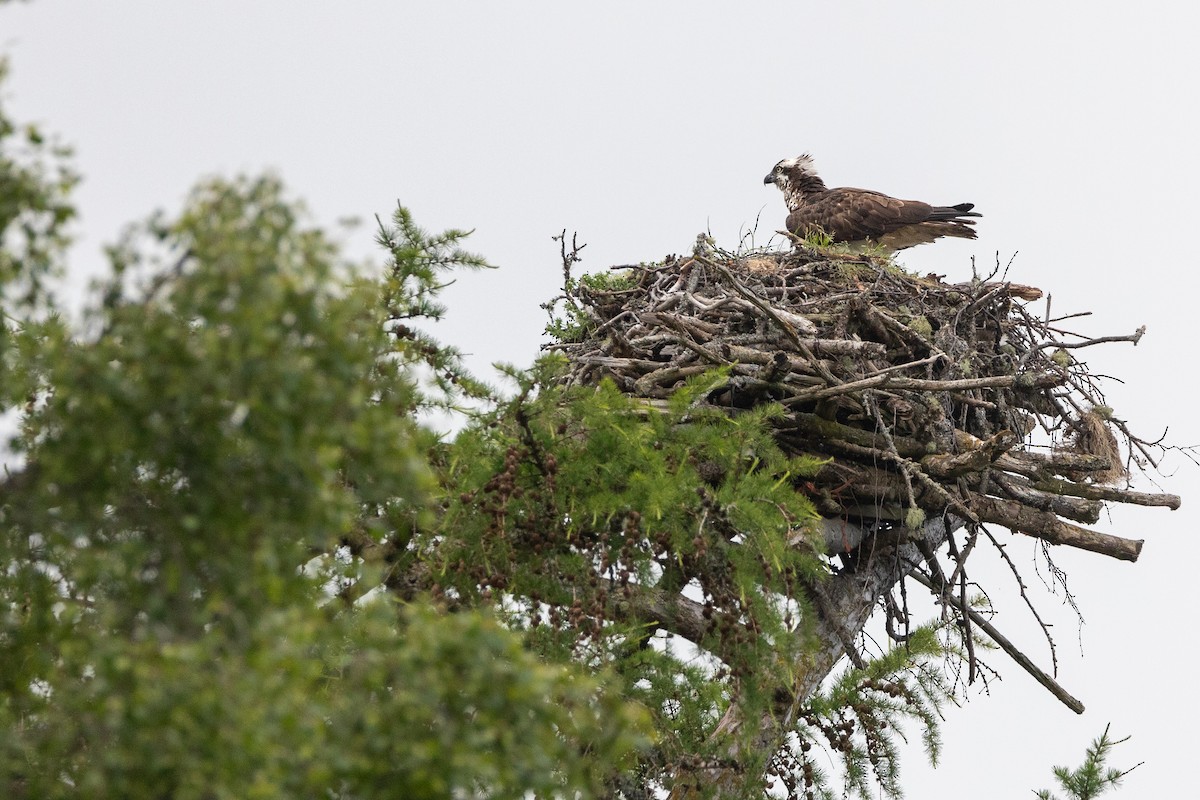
851,215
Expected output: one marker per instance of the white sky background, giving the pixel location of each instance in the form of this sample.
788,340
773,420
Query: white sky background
1072,129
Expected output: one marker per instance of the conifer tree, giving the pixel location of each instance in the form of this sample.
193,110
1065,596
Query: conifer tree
1093,777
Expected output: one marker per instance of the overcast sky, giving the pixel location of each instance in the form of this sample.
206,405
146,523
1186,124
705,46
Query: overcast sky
1071,126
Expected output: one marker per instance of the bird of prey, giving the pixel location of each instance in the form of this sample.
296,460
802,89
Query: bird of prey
860,217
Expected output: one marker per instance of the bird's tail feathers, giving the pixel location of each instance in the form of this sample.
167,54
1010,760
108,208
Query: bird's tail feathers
953,212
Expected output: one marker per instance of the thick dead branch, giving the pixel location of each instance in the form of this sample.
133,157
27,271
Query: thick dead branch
1094,492
972,461
1045,525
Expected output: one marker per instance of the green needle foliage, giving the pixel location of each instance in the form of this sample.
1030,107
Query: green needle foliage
583,511
420,266
1093,777
860,715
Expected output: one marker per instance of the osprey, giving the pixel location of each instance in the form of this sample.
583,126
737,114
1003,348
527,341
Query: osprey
860,217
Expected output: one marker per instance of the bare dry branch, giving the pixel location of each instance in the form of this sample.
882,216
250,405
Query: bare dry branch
1004,644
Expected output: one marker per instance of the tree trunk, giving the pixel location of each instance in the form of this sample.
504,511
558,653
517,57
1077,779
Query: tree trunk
844,603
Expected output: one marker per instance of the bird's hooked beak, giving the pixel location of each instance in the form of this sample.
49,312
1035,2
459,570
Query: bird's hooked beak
770,177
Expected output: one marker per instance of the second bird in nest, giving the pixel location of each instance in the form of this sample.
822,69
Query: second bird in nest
860,217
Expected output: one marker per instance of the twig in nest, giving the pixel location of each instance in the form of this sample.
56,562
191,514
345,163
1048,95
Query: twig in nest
568,259
963,605
1134,337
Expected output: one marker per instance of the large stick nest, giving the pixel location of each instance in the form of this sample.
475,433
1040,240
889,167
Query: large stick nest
925,396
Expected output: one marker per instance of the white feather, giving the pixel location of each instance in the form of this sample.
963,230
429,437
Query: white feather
802,162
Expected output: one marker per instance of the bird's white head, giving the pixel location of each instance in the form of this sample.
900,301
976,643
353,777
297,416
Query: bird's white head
795,177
